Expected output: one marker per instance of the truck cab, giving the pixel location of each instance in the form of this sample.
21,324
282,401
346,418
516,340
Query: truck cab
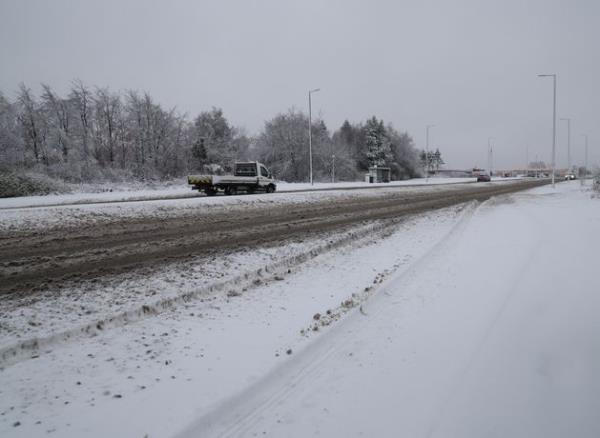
252,169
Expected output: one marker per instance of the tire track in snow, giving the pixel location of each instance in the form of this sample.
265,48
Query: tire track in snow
238,414
24,349
478,348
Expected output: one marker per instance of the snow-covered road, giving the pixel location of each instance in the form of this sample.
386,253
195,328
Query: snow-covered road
472,321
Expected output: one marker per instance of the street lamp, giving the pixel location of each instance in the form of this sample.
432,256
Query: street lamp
586,159
332,168
310,133
553,76
427,151
490,155
568,120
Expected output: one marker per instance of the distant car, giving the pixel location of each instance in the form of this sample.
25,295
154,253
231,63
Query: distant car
570,176
482,177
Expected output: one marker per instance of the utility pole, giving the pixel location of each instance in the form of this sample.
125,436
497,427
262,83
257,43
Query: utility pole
568,120
489,156
586,160
586,155
553,76
427,152
310,160
333,168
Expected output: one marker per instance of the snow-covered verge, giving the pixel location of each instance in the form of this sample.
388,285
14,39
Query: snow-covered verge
95,195
464,322
28,184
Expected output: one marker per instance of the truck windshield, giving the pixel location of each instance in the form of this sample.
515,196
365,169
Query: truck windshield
245,169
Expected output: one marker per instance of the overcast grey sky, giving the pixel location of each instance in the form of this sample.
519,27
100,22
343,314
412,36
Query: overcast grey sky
469,67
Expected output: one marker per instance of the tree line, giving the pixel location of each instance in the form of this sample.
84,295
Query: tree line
94,134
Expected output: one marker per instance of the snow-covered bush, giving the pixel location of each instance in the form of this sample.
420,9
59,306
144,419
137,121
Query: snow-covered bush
24,184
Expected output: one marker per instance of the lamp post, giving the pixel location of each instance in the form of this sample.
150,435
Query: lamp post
553,76
585,165
568,120
427,152
332,168
310,133
490,155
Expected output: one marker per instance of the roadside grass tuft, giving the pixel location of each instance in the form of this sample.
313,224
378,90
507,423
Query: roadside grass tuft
14,184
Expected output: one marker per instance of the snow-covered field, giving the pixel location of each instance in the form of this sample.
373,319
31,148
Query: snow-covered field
477,320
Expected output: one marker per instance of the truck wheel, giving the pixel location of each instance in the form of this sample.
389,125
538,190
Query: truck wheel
270,189
210,192
231,191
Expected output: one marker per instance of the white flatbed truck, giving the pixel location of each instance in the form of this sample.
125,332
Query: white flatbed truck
249,177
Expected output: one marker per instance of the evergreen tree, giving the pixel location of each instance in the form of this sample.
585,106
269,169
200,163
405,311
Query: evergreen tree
346,134
404,158
428,160
199,153
218,135
378,145
437,160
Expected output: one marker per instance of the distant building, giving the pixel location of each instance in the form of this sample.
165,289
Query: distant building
454,173
378,175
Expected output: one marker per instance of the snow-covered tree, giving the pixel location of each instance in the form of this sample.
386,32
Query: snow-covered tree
11,143
95,134
377,143
283,145
437,160
404,160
